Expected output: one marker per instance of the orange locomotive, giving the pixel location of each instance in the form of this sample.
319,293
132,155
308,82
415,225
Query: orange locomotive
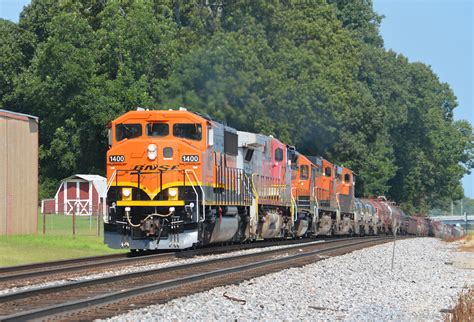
178,179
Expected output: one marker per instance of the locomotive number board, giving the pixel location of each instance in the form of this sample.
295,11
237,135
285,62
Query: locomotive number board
190,158
116,158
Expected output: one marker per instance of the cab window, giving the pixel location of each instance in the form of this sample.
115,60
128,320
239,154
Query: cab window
190,131
327,172
304,172
127,131
278,155
157,129
347,178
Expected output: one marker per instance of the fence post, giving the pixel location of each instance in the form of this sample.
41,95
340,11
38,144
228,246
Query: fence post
99,214
44,223
73,223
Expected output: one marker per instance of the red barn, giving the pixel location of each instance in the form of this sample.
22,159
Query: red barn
82,194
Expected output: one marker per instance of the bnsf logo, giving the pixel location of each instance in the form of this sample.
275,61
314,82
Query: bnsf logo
152,167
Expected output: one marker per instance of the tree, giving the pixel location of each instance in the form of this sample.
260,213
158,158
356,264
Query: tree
314,74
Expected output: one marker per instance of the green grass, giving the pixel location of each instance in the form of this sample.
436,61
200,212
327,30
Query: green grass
62,225
58,242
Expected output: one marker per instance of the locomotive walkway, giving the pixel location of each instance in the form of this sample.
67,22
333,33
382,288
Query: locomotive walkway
108,296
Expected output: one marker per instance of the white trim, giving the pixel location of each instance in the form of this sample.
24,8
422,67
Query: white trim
80,207
57,192
65,197
90,197
56,201
78,196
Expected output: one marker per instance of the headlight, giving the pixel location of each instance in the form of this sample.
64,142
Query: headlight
152,152
126,193
173,193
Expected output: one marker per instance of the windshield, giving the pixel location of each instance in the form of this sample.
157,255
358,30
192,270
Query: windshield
157,129
192,131
127,131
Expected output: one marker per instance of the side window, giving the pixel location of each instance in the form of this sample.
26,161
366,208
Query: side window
157,129
109,137
304,172
327,171
192,131
248,155
278,155
347,178
230,143
127,131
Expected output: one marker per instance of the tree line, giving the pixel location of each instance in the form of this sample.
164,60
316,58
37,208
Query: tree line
312,73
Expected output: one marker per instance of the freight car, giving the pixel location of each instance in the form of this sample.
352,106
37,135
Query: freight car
178,179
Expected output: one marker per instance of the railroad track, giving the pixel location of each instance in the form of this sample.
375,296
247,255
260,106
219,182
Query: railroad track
108,296
17,276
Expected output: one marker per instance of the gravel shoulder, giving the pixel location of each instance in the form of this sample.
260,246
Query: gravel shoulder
427,277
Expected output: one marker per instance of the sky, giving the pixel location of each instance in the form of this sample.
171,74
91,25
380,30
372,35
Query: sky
436,32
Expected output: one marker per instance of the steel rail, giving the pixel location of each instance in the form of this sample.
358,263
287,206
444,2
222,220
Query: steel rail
79,264
8,269
163,285
83,283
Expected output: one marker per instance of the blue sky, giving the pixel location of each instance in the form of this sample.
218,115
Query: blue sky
436,32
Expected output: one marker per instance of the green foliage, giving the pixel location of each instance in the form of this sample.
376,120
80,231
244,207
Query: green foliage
465,205
313,74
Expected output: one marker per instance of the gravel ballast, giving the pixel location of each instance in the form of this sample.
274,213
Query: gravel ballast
427,277
141,268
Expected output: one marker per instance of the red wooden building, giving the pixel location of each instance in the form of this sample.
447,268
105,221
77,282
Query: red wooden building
82,194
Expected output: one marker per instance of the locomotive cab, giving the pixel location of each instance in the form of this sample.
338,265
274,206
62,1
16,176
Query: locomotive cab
154,172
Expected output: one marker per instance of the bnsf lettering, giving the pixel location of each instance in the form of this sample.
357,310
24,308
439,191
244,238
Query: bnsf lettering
117,158
190,158
152,167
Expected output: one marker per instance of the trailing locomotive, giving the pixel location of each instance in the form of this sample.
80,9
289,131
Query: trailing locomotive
178,179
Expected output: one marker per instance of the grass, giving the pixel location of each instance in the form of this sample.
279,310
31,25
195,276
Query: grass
62,225
58,242
464,309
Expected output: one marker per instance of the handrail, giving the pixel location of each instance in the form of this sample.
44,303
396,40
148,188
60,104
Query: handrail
255,192
295,204
109,184
316,207
187,171
338,203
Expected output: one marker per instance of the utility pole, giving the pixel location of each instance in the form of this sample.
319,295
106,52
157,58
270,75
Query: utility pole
465,223
452,208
